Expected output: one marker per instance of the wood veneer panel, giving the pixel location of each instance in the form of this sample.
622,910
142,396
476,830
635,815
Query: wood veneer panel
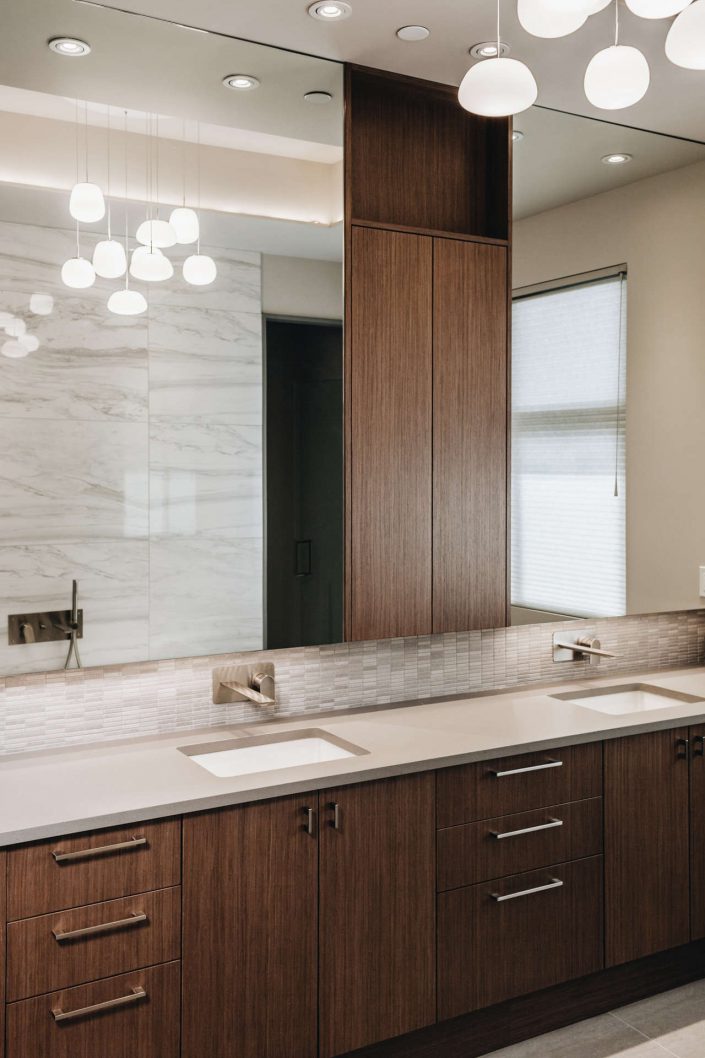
250,932
391,369
416,158
469,436
647,893
3,919
377,913
697,833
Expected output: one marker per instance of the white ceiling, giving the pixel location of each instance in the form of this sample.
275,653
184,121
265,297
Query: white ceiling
674,104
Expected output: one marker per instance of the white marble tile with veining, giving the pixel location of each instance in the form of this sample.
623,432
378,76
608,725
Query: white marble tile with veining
236,288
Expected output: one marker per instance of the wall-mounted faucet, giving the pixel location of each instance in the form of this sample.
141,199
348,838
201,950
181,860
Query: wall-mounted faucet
49,626
244,683
579,647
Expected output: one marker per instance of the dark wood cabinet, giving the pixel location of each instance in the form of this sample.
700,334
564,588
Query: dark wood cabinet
697,833
647,844
377,907
3,919
470,435
250,931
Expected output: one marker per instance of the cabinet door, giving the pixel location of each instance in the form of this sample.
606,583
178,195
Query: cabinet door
3,917
389,413
249,932
377,912
470,285
646,844
697,833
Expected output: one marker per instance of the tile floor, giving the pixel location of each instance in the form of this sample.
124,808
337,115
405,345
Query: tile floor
672,1023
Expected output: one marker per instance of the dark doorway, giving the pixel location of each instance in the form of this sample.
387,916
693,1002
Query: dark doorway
304,431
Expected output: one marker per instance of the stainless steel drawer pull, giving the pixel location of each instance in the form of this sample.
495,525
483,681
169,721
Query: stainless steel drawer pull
555,883
104,927
335,822
99,850
310,824
499,834
532,767
135,996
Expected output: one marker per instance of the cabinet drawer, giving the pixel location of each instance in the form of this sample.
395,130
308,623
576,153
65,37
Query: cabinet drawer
518,784
70,872
87,943
496,847
135,1015
516,935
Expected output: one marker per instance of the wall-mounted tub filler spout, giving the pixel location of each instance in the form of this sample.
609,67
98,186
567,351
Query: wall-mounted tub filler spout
73,630
49,626
569,646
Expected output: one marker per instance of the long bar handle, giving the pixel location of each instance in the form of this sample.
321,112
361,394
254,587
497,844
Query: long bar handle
310,824
532,767
99,850
499,834
136,995
555,883
134,919
335,809
578,648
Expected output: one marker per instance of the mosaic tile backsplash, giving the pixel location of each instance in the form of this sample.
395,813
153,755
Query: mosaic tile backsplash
54,709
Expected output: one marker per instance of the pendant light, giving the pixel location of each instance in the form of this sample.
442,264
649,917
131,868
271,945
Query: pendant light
109,258
685,43
149,264
657,8
41,304
540,19
498,87
199,269
14,350
154,232
78,273
618,76
15,327
126,302
86,202
184,220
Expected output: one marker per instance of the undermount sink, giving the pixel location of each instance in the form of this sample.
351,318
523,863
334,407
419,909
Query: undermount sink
245,756
628,698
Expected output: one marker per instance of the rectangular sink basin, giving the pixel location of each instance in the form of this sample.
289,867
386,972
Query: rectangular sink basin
628,698
246,756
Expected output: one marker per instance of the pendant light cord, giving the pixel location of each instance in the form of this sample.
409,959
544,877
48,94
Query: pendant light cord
616,23
198,182
109,217
127,259
499,49
618,416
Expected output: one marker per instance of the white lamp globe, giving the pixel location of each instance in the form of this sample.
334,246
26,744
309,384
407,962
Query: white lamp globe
617,77
184,222
685,43
541,20
497,88
597,5
570,7
150,265
15,327
156,233
30,342
657,8
87,203
78,273
5,318
14,350
41,304
109,259
127,302
199,270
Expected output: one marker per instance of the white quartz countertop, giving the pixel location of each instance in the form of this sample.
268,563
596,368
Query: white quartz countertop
44,795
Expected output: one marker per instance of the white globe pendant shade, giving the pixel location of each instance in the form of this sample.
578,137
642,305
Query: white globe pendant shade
41,304
617,77
498,88
199,270
14,350
184,222
30,342
657,8
109,259
597,5
150,265
87,203
5,318
541,20
157,233
78,273
571,7
15,328
685,43
127,302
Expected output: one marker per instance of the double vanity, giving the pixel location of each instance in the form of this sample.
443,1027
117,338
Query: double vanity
390,881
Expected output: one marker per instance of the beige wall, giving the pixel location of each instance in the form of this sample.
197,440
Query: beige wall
656,226
295,286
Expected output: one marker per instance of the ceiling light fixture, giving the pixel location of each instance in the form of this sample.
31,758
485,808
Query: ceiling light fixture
498,87
330,10
126,302
413,33
241,82
657,8
71,47
319,99
685,43
617,77
488,50
616,159
541,19
14,350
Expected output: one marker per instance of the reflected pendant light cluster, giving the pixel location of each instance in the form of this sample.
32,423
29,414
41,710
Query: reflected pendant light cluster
616,77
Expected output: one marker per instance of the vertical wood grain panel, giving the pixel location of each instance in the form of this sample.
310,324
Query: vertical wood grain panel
3,927
697,833
377,924
469,436
647,893
250,932
391,370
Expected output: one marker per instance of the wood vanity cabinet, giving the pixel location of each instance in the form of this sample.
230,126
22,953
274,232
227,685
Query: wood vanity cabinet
697,833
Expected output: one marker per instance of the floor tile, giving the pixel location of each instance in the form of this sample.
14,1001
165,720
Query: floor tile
675,1019
602,1037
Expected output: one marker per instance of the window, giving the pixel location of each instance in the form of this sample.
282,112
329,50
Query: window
568,448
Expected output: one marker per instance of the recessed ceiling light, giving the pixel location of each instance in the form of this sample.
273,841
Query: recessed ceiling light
616,159
241,82
318,98
330,10
413,33
70,46
517,135
488,49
